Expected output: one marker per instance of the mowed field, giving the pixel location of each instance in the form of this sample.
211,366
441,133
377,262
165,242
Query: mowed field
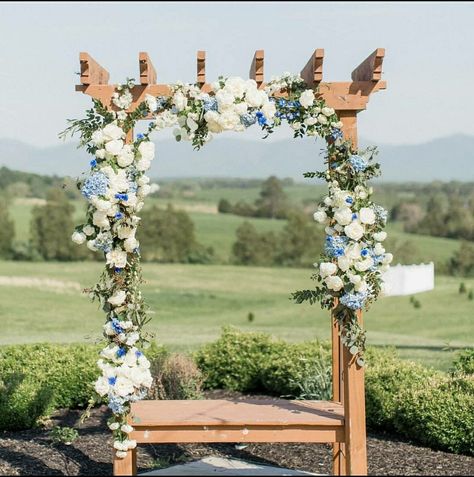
190,303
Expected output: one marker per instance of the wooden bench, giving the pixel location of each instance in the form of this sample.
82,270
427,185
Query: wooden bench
257,420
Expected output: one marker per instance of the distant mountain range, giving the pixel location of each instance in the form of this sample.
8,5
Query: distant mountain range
448,158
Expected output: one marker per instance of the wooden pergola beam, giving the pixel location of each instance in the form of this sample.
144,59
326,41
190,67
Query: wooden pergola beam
256,68
147,70
201,67
312,73
91,71
371,68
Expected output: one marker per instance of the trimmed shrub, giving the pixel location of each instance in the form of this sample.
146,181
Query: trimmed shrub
439,413
464,362
235,361
37,379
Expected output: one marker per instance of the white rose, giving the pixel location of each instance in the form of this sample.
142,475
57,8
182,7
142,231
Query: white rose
101,204
151,102
353,278
88,230
387,259
364,265
320,216
236,86
322,119
123,386
355,231
117,298
100,219
78,237
329,231
328,201
101,386
310,121
327,268
254,97
241,108
353,251
343,216
361,192
334,282
367,215
269,109
143,165
116,258
114,147
361,287
132,338
344,263
130,244
131,444
338,228
125,232
192,125
97,138
296,125
112,131
100,153
147,150
338,125
143,180
224,99
180,101
379,249
114,426
228,120
380,236
121,454
144,190
307,98
125,157
327,111
127,428
91,245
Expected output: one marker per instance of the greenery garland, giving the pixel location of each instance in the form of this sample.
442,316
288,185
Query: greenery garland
116,186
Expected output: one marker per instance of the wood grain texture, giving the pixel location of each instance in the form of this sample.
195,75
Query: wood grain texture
256,68
91,71
201,67
312,73
147,70
371,68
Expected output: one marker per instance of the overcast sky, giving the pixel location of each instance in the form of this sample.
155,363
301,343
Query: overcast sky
429,62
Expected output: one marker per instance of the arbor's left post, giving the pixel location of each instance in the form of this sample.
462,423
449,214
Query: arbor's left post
127,465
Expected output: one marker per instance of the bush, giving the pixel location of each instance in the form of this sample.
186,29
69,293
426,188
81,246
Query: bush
235,361
175,376
36,379
439,413
224,207
464,362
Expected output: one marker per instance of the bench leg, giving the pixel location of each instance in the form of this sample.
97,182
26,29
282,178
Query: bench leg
127,465
338,459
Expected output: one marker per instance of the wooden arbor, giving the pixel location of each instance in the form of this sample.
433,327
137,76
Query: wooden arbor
341,421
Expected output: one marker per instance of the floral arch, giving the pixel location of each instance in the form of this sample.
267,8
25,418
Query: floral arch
348,274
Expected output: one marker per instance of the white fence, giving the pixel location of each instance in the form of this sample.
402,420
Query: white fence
409,279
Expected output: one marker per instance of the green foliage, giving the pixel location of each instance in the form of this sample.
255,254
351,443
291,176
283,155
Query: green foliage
462,261
462,288
175,376
273,201
470,295
168,235
438,412
7,230
63,435
36,379
51,228
224,207
464,361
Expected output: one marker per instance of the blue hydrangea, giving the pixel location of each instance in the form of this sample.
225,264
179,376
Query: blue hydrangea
116,326
104,242
121,196
112,380
93,163
140,136
335,245
210,104
96,184
380,214
335,134
354,301
121,352
358,163
248,119
161,102
262,120
377,260
132,187
116,405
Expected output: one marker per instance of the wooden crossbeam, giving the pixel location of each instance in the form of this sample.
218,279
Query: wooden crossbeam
371,68
201,67
312,73
147,70
256,68
91,71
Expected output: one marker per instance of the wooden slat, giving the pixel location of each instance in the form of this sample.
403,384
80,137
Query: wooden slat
147,70
371,68
312,73
126,466
256,68
228,412
201,67
91,71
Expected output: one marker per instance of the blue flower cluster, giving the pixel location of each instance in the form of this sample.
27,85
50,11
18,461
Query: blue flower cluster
335,245
248,119
116,326
380,213
104,242
354,301
262,120
132,187
377,260
210,104
96,184
116,404
121,196
358,163
335,135
286,109
161,102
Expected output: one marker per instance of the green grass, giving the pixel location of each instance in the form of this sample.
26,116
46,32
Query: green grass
190,304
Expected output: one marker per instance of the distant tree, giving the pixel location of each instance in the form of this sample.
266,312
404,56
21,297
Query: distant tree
253,248
51,228
168,235
7,230
224,207
19,189
462,261
300,242
244,209
273,201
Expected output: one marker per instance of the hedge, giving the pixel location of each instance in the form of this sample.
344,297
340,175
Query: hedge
37,379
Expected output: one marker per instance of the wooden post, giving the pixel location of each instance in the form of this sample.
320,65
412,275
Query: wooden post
127,465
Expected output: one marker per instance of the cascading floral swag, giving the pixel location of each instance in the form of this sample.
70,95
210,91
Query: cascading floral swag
116,186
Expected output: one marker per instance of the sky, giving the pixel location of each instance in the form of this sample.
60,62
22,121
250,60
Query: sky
429,62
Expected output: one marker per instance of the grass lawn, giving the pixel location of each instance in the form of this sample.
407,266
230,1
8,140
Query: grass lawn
190,304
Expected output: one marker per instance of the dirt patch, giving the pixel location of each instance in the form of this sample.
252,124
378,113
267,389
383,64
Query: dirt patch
32,453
